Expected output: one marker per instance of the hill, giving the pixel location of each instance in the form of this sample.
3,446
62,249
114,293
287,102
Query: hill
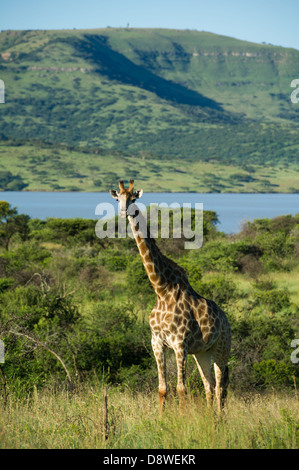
146,95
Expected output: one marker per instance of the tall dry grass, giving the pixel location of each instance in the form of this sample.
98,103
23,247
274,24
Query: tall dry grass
65,420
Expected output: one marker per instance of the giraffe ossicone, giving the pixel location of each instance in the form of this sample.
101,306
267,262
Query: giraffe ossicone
181,319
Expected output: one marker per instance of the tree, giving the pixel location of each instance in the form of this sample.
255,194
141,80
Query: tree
10,182
12,223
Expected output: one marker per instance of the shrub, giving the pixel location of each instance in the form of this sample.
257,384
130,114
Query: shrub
274,299
251,265
34,323
98,183
193,269
70,230
272,373
11,224
259,340
10,182
116,262
276,247
113,339
27,257
220,289
6,283
216,255
137,279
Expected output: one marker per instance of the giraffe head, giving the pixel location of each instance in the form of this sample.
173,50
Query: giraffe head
125,197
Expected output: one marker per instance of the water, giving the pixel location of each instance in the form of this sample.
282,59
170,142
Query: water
232,209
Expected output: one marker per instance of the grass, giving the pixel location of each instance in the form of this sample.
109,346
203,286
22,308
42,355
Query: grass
288,281
65,420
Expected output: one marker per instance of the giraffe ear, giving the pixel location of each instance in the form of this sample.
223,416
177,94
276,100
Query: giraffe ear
138,193
114,194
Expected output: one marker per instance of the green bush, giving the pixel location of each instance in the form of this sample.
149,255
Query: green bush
10,182
12,224
116,263
115,260
274,241
70,230
275,300
193,269
272,373
111,340
34,322
216,255
28,256
137,279
256,339
220,289
6,283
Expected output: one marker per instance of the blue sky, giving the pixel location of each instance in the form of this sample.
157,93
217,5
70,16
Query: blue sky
271,21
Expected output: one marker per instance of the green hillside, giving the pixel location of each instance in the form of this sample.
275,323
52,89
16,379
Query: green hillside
140,95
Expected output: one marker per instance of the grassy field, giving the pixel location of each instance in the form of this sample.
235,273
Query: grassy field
43,168
65,420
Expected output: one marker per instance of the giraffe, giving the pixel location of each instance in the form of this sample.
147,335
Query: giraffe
181,319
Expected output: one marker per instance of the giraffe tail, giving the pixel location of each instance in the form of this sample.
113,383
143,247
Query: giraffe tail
226,377
224,384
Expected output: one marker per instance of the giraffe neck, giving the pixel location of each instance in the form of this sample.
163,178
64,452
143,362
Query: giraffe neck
162,272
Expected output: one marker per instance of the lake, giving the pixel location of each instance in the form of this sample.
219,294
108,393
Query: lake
232,209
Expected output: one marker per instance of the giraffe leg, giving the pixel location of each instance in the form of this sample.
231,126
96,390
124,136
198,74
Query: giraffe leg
203,361
221,373
221,356
159,352
181,359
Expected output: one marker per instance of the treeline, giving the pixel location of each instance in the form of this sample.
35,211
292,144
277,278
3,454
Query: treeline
227,144
74,306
